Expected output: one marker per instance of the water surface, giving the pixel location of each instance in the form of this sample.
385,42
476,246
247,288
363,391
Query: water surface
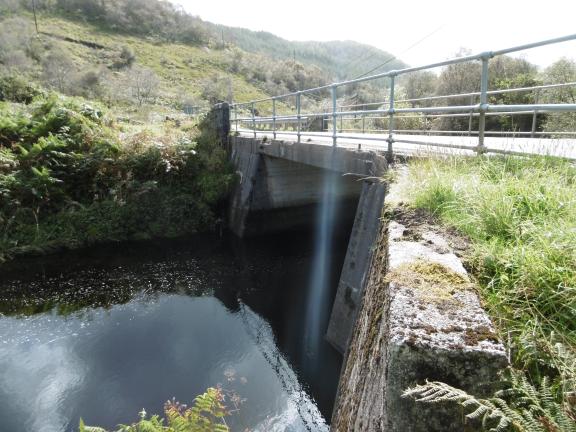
103,333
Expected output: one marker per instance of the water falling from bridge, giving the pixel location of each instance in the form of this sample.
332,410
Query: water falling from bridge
318,305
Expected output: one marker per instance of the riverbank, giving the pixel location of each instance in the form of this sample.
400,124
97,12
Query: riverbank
71,177
519,215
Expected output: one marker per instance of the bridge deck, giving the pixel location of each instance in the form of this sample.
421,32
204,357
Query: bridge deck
422,144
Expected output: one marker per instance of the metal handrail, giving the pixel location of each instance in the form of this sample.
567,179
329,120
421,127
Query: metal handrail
480,110
458,95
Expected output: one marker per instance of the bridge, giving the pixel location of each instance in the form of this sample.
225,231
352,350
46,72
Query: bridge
284,146
282,157
287,148
314,115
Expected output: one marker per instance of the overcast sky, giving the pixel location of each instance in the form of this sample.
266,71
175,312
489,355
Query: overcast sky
396,25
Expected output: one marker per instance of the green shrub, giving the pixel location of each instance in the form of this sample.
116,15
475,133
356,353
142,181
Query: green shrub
66,180
17,89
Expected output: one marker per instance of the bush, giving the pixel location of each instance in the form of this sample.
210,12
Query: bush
16,89
207,414
65,180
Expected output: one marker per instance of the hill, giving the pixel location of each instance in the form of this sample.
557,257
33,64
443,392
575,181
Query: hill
340,59
110,50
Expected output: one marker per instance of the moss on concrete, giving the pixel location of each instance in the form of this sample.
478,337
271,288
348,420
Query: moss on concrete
435,281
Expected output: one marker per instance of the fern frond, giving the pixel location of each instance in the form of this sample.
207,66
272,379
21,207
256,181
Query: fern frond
83,428
485,410
524,407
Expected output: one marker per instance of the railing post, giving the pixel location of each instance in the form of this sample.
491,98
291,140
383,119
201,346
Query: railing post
236,116
274,118
391,117
363,123
298,110
253,119
481,148
535,115
334,125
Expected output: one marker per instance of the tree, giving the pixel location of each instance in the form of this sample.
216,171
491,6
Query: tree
215,89
127,56
7,6
508,68
504,72
143,84
58,68
455,79
93,83
16,35
562,71
418,85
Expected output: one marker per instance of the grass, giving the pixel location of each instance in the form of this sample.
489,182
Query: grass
520,216
181,68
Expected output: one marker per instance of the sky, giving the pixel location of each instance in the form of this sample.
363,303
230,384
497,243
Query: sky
439,28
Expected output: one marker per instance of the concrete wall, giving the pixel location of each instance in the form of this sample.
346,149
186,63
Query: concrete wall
356,264
279,188
280,183
246,158
409,331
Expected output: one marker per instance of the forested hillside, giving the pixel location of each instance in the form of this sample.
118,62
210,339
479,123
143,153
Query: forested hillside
341,59
184,59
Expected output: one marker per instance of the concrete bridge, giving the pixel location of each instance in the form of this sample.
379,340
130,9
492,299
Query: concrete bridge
391,336
319,115
280,186
281,171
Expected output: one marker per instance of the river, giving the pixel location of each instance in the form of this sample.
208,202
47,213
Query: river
102,333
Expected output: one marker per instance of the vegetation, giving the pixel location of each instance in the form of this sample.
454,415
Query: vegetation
520,215
99,49
67,180
523,407
340,59
505,72
206,415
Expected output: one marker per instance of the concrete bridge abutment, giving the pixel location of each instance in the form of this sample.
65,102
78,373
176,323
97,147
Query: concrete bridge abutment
279,188
392,332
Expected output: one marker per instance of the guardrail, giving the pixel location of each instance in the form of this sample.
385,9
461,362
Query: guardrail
389,110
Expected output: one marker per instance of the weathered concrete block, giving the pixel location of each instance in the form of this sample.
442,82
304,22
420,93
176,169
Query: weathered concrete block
437,330
423,320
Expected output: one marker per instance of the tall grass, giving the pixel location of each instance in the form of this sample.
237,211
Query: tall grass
520,216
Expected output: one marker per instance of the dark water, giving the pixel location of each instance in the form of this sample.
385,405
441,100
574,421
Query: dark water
104,333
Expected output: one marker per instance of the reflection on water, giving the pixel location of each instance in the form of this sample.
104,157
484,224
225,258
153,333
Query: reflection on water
104,334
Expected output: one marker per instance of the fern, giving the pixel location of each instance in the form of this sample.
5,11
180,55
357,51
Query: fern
84,428
486,410
523,407
207,415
